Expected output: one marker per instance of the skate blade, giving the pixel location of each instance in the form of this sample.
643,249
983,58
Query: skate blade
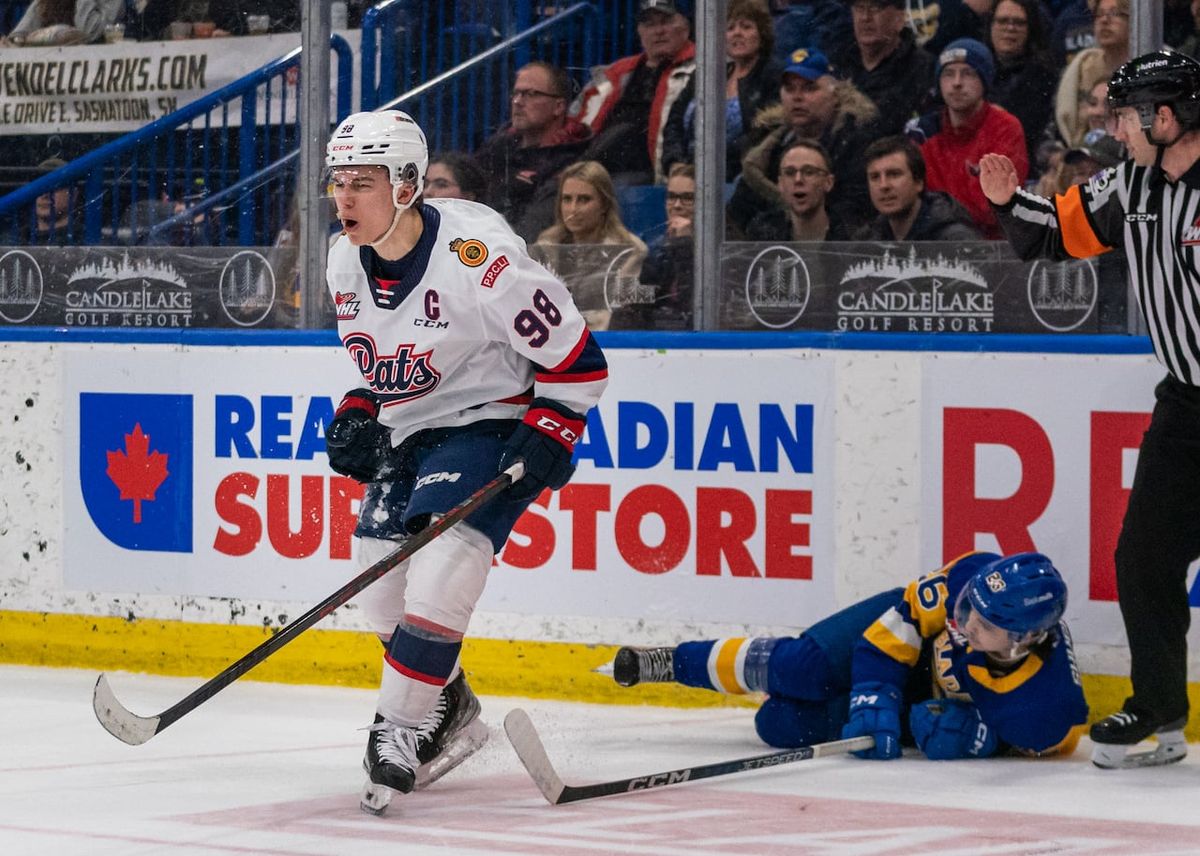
465,744
375,798
1171,749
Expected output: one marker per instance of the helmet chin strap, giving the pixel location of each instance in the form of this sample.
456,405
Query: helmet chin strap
399,210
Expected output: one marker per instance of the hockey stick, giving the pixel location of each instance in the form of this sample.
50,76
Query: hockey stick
524,739
134,729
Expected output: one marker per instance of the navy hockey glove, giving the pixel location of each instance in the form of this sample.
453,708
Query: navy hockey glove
875,711
545,441
358,446
946,729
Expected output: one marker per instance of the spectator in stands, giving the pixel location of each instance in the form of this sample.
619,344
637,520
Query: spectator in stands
885,63
64,22
587,212
148,20
524,158
1095,111
230,15
627,104
58,215
954,138
818,25
139,221
907,211
1025,74
1073,30
939,22
1111,27
816,106
1098,151
668,264
1190,44
805,180
454,175
751,83
1046,172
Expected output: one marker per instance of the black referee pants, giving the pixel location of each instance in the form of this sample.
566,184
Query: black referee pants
1160,537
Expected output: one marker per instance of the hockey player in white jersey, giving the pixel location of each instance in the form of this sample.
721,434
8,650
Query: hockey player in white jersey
473,356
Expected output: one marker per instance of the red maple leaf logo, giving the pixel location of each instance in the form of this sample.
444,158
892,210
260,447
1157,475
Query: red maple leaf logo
135,472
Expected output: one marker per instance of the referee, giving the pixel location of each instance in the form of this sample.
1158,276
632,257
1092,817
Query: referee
1149,204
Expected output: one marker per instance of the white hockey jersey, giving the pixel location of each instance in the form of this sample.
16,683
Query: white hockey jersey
474,328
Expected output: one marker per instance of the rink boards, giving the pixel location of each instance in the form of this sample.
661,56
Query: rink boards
172,502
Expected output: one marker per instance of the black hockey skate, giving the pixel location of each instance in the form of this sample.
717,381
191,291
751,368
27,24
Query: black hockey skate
390,762
643,666
450,733
1115,735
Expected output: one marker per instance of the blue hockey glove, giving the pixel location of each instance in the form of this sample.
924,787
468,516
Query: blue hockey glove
875,711
545,441
946,729
358,446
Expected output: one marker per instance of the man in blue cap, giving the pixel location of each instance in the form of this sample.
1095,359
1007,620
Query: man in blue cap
815,104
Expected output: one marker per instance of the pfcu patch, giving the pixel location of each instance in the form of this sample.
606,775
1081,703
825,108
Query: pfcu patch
489,278
470,252
347,305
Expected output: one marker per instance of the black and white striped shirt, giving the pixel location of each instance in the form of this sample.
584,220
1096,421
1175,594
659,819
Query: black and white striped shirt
1157,222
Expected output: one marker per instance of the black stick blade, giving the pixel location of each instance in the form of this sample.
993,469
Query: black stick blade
117,720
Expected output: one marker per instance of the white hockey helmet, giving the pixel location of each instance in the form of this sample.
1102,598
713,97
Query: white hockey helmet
388,138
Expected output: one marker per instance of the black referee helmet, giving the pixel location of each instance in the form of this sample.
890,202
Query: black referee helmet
1159,77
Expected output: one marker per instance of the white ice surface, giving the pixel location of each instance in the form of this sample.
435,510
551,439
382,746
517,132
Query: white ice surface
275,769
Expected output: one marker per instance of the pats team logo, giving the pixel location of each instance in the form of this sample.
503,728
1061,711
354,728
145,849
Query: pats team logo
400,376
347,305
135,468
470,252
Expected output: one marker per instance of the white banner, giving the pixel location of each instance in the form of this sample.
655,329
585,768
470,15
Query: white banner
704,490
1036,452
117,88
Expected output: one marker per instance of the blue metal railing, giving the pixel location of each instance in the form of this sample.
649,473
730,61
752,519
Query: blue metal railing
406,43
286,164
124,187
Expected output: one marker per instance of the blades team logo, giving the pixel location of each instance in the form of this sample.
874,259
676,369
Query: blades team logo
135,468
470,252
347,304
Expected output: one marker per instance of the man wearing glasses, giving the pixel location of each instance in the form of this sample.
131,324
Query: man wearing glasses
805,180
523,160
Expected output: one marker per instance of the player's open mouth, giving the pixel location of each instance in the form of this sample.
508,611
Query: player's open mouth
348,223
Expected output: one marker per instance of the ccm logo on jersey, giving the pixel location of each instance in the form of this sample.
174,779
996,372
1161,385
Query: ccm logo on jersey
436,478
489,278
347,306
1138,217
470,252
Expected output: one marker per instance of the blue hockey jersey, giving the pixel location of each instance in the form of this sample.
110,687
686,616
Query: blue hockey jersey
1036,705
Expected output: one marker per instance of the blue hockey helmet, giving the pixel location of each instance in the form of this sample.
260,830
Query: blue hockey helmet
1023,594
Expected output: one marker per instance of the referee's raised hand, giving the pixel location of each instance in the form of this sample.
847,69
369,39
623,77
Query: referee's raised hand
997,178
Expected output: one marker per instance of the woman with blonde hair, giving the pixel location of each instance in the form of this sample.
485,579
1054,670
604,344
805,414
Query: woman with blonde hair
586,212
1110,23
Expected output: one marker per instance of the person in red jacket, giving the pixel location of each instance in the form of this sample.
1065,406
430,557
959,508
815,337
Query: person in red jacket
968,126
627,104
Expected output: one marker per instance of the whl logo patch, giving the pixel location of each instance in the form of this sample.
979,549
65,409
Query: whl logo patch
135,468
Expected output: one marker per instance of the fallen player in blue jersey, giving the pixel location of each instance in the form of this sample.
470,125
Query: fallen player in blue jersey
968,661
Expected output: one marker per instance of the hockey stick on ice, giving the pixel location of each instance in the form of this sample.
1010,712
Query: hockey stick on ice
134,729
524,739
